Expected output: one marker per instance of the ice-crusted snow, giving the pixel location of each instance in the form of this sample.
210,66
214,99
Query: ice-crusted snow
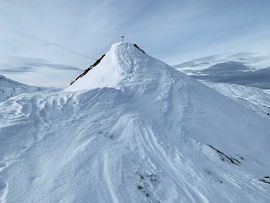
139,131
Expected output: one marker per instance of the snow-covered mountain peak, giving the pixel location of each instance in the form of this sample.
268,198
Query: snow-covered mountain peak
121,47
124,65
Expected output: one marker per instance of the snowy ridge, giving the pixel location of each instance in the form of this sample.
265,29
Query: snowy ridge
143,132
10,88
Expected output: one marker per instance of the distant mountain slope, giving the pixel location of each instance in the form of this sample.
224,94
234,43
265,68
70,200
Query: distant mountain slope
132,129
243,70
10,88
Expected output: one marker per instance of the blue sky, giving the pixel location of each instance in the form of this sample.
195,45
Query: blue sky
49,42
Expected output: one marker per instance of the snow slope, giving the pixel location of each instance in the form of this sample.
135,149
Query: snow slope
10,88
255,99
132,129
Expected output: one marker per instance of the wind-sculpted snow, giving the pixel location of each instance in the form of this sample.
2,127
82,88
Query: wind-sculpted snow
146,138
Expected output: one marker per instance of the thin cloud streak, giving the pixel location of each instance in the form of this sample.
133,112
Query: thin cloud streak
21,65
46,43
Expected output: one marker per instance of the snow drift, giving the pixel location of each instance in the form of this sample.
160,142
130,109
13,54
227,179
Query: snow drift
132,129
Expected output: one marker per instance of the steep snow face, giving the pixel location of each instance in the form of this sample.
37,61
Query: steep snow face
10,88
151,134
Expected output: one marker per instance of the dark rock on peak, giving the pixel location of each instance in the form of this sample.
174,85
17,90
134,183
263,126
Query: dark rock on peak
135,45
88,69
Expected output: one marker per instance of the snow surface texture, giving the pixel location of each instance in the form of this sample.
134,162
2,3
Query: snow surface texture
143,132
